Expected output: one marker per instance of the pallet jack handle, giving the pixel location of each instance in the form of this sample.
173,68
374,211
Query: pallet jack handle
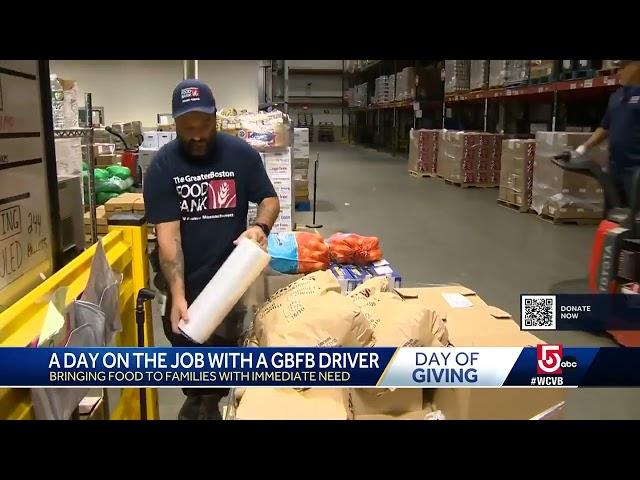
144,295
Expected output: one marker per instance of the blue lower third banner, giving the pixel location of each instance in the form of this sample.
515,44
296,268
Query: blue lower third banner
544,366
593,312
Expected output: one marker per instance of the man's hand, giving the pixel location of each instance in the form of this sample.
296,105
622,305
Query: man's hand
581,150
254,233
178,312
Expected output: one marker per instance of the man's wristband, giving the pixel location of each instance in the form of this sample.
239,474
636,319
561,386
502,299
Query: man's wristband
265,228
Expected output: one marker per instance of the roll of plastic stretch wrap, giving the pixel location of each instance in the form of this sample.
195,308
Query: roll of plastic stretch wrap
224,290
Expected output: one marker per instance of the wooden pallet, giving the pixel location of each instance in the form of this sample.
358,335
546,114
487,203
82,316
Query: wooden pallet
542,80
512,206
577,74
413,173
567,221
604,72
469,185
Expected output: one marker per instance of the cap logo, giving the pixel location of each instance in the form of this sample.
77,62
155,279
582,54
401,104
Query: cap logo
191,94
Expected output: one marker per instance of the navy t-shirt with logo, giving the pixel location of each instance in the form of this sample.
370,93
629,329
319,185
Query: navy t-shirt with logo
622,120
209,195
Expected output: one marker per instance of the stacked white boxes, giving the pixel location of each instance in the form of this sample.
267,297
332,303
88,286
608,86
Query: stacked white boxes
392,87
278,164
381,94
301,164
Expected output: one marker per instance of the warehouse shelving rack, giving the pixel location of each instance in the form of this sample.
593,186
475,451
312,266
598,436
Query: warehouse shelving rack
87,133
281,72
386,126
562,96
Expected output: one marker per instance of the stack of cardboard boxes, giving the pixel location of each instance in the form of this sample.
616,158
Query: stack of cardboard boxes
101,221
456,75
497,73
406,84
516,174
131,132
381,93
470,323
279,166
350,276
540,69
301,164
125,203
517,72
479,74
560,194
423,150
469,157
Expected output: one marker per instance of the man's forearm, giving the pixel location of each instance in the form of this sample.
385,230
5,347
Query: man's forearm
268,211
172,265
597,138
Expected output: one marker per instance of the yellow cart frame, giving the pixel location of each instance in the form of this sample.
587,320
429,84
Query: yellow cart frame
126,249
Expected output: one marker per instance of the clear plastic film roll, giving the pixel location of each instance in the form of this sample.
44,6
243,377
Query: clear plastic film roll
224,290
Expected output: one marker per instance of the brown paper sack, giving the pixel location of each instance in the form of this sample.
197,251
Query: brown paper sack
311,312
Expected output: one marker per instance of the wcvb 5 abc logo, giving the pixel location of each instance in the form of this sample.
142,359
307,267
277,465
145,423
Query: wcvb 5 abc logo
551,360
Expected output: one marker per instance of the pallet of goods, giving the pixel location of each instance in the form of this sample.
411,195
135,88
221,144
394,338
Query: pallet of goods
497,73
577,69
406,84
479,74
516,73
469,159
542,71
560,196
423,152
516,174
456,76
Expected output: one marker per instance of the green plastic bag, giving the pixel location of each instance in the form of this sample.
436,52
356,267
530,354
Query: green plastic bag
114,184
100,174
119,171
102,197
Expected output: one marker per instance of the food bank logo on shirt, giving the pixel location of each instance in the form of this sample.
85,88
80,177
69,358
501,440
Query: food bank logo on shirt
206,192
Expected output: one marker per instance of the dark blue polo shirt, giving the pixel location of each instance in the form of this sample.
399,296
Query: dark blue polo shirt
622,120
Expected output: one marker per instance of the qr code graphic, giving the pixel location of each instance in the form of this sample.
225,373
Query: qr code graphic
538,312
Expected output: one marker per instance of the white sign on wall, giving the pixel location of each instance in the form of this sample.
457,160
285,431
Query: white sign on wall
25,220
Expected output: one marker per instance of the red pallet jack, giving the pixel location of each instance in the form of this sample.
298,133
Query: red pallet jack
615,255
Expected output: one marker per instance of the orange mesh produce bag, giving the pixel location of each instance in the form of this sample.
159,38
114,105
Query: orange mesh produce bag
354,249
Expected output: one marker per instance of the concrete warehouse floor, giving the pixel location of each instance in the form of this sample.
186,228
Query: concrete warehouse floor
432,232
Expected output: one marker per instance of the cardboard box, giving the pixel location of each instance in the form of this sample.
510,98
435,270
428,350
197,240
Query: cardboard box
494,403
469,157
423,414
423,150
101,217
150,140
164,138
375,401
289,404
127,202
344,277
456,75
516,175
106,160
444,298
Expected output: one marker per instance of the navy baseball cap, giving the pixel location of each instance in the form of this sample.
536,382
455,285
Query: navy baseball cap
192,96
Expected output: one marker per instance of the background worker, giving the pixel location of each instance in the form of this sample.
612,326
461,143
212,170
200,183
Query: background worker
196,192
621,125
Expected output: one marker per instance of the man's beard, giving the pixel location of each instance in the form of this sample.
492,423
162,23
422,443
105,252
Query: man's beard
196,149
